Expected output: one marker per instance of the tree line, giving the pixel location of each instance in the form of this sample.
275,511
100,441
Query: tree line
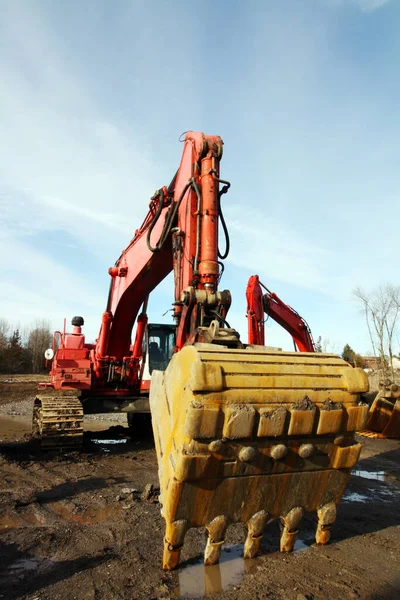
22,351
380,309
348,354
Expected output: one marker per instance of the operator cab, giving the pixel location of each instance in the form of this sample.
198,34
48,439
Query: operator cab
158,345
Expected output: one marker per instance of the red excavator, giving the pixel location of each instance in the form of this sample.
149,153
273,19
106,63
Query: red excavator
384,414
243,433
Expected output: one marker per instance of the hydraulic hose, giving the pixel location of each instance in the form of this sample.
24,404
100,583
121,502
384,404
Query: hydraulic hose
169,221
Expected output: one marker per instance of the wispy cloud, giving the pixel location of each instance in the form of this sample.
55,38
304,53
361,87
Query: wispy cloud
371,5
363,5
60,157
37,285
279,252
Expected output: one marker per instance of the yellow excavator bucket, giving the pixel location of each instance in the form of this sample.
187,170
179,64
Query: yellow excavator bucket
249,435
384,414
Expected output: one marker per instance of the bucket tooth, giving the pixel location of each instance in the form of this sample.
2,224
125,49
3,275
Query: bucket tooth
326,517
255,527
173,543
216,537
290,528
242,436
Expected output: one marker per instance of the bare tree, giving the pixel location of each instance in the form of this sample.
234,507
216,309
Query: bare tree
39,339
5,330
318,344
16,357
325,345
330,346
326,342
392,322
381,310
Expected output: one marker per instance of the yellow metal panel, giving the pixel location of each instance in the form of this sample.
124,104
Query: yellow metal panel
301,422
357,417
347,457
329,421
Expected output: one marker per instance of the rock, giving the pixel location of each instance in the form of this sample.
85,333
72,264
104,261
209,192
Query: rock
147,492
127,490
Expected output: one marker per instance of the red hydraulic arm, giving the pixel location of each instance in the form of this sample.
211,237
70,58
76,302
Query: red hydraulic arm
180,234
284,315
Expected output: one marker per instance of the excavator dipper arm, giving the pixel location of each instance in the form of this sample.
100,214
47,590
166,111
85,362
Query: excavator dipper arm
283,314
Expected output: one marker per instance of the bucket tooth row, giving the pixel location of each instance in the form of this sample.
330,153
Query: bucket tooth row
58,421
216,533
249,436
238,421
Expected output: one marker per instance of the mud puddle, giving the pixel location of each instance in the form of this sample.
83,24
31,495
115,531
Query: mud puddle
13,428
23,567
355,497
110,444
16,521
197,580
390,479
375,475
89,516
387,491
123,441
304,544
102,424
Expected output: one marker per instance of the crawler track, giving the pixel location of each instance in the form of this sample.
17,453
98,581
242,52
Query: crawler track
58,421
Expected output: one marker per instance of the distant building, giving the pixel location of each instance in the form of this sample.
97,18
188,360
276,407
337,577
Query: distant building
396,363
371,362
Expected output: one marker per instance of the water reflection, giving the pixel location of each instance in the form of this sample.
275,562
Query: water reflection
354,497
114,441
376,475
197,580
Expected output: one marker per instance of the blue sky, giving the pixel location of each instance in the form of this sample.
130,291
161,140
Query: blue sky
304,93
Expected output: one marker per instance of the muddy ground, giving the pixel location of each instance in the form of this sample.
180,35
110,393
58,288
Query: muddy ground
87,526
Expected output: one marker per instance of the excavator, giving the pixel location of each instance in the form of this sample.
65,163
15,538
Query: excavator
384,414
243,432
